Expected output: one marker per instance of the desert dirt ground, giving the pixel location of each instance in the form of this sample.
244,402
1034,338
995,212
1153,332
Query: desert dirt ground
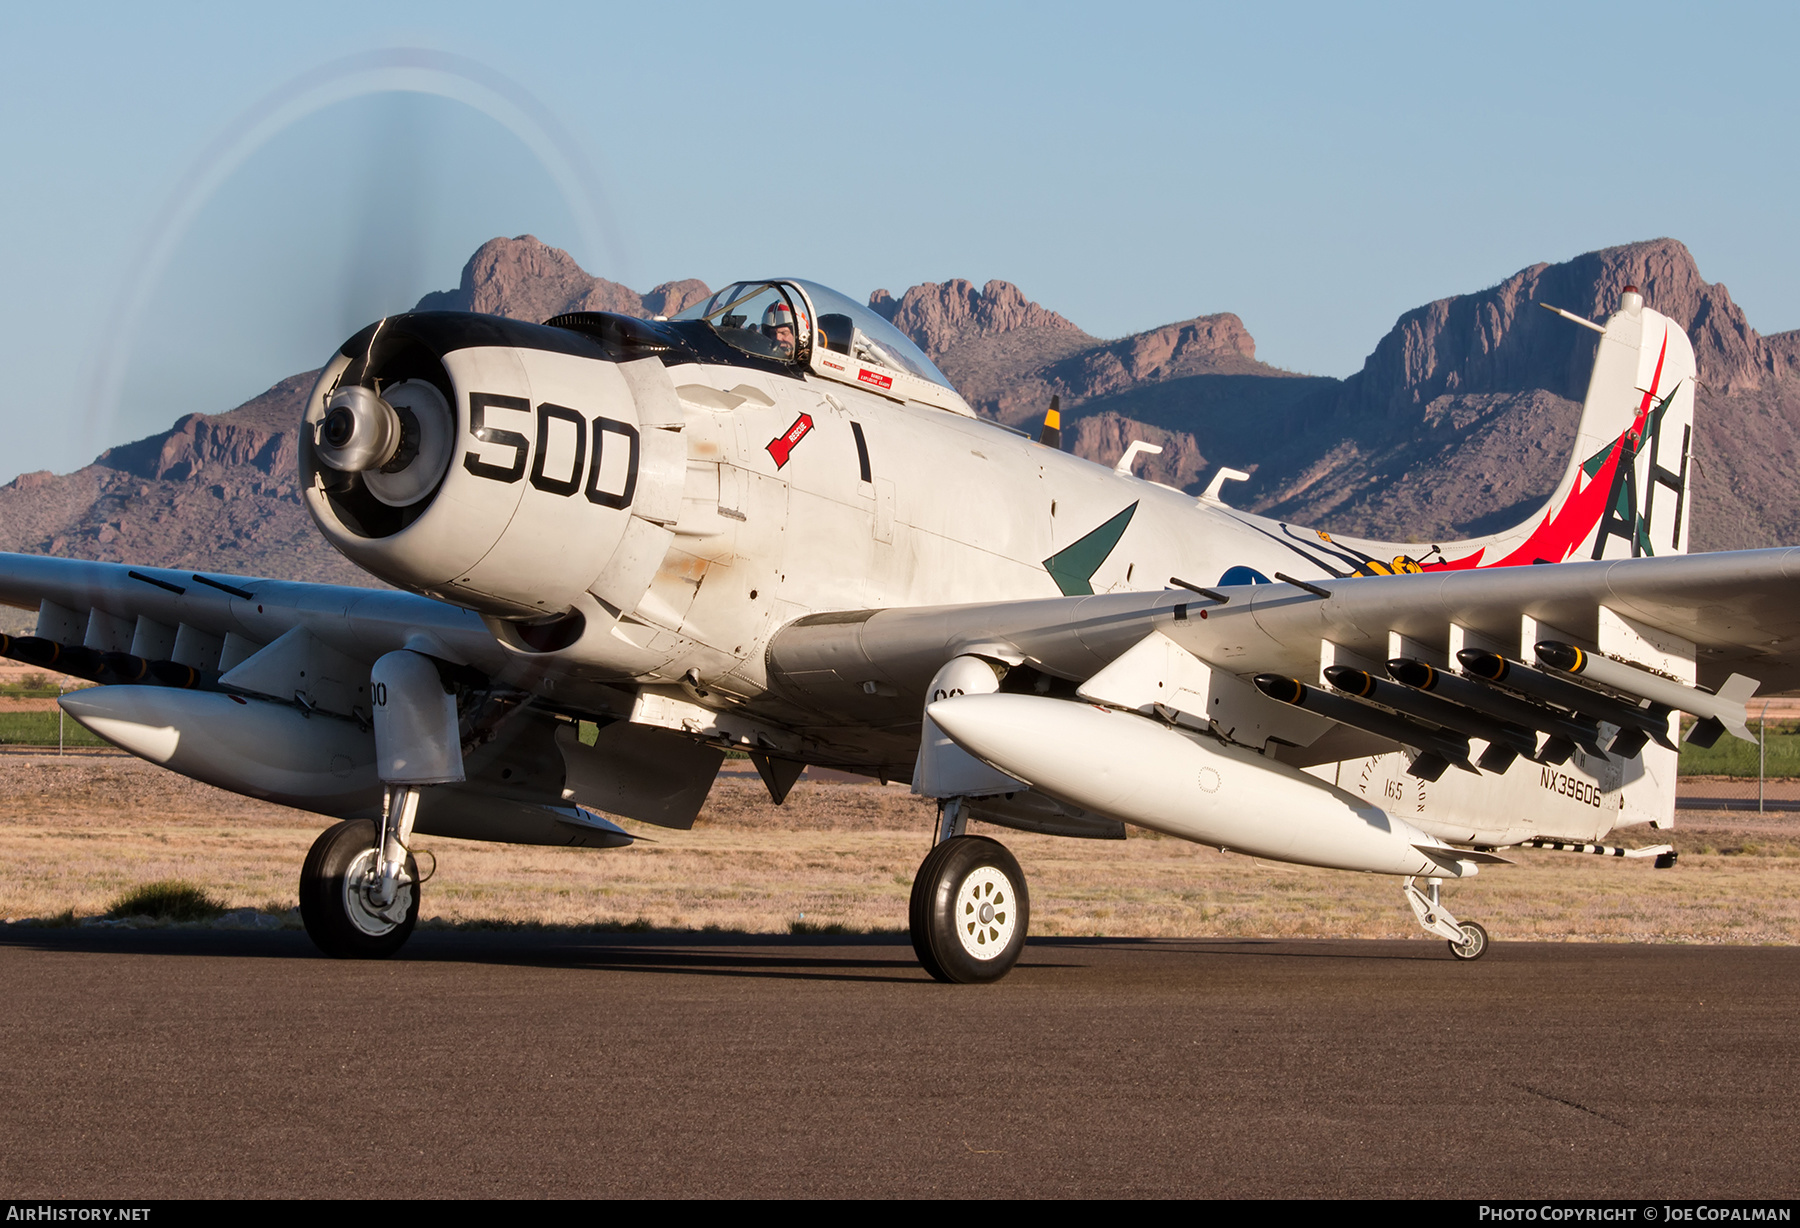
77,831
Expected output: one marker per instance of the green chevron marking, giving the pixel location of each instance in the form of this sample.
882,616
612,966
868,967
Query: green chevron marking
1597,461
1653,424
1662,407
1073,567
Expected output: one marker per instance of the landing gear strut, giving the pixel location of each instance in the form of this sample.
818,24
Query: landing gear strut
1467,939
359,888
970,909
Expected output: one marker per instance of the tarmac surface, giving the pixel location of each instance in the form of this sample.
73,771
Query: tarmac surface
167,1063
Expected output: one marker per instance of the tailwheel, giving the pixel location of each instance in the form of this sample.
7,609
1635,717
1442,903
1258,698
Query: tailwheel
1474,942
970,910
340,895
1467,939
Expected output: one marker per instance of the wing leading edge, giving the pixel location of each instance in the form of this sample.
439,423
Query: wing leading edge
114,607
1739,610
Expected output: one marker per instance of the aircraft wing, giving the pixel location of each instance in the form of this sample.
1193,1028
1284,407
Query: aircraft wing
1740,612
214,621
290,641
310,648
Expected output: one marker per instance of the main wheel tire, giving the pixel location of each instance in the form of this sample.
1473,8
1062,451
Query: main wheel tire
918,913
338,918
970,911
1474,942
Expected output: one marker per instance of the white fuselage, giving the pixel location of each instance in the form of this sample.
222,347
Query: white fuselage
957,510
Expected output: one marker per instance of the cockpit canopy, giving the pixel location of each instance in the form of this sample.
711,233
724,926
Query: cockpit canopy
815,327
757,317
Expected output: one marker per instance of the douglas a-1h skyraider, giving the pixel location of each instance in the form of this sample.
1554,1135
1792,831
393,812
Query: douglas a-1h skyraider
771,524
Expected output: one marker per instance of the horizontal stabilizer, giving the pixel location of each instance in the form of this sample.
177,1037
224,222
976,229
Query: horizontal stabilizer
592,822
1599,850
1450,857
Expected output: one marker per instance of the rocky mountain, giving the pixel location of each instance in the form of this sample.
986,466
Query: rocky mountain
942,317
1460,420
527,279
212,493
1463,414
1008,356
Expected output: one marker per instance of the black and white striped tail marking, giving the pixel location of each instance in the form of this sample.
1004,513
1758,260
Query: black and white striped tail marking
1599,850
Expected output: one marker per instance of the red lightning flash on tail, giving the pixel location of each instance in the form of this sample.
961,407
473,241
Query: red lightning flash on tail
1570,524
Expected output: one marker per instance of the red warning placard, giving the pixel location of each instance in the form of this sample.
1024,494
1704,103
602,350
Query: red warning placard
782,446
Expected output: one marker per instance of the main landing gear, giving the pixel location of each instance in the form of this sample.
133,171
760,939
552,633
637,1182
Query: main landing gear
1467,939
342,890
359,888
970,909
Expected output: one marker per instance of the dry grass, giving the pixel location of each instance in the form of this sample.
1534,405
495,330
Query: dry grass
78,833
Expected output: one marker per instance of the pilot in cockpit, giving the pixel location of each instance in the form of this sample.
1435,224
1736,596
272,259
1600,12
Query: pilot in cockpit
778,327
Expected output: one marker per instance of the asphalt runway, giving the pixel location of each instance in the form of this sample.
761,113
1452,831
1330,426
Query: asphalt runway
193,1063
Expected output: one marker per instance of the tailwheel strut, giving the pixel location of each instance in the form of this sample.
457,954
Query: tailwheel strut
1467,939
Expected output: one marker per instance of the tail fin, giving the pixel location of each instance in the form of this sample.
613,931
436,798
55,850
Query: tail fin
1636,436
1625,493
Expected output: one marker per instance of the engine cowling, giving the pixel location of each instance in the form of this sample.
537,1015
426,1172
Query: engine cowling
508,467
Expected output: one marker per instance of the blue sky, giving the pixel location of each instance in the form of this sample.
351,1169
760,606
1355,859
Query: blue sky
172,240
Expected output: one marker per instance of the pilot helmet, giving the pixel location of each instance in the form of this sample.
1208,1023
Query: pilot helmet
779,315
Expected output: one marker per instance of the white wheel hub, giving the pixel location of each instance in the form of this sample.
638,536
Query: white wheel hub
1473,943
359,882
986,913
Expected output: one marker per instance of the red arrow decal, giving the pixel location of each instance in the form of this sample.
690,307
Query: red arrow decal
783,446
